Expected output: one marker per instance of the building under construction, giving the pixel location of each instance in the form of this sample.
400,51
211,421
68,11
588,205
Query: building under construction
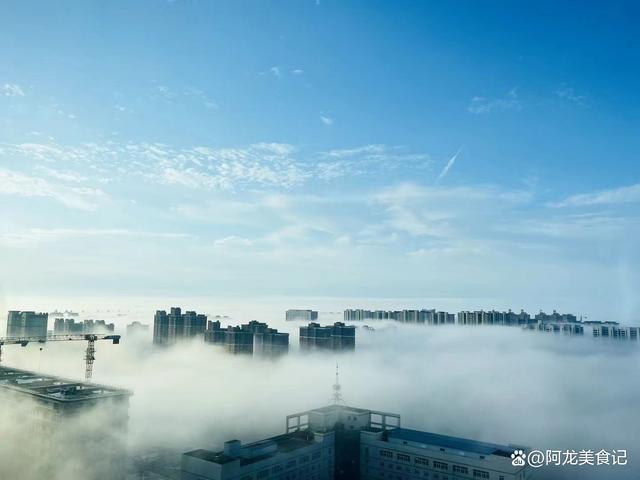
68,424
331,337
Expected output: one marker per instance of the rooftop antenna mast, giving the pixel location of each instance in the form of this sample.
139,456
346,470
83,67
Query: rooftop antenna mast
337,390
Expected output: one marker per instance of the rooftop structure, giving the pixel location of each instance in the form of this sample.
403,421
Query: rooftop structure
62,420
342,442
63,393
331,337
301,315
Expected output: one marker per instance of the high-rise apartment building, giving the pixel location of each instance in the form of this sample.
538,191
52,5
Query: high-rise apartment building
301,315
168,328
347,443
68,326
331,337
253,337
137,328
27,324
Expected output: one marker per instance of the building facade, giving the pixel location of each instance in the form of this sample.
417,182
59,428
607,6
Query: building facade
27,324
68,326
61,419
253,337
301,315
331,337
338,442
169,328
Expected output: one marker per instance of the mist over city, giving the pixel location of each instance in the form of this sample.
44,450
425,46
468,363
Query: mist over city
319,240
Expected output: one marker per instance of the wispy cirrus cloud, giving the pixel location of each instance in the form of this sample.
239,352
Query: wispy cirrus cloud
263,165
20,184
483,105
12,90
568,94
619,195
326,120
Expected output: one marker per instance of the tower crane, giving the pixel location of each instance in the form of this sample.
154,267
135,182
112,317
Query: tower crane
90,352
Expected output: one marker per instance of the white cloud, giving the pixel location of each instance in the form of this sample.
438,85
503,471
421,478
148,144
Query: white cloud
12,90
568,94
628,194
483,105
22,185
297,71
326,120
275,71
233,240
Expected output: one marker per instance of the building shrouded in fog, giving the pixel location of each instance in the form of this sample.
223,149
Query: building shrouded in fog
331,337
301,315
27,324
62,418
346,443
168,328
68,326
253,337
137,328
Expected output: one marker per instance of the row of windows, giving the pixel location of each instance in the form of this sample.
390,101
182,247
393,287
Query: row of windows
436,464
290,464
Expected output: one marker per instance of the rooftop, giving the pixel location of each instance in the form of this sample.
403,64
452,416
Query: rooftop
283,443
53,388
453,443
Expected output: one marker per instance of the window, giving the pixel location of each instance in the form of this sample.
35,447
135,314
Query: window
459,469
403,458
276,469
421,461
291,463
304,459
480,474
315,455
440,465
263,474
247,477
386,453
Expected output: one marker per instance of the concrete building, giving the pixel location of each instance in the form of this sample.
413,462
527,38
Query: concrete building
68,326
27,324
169,328
301,315
493,317
616,331
331,337
555,317
253,337
430,317
137,328
50,412
552,327
347,443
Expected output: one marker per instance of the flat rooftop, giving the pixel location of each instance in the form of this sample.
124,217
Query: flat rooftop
284,443
53,388
451,443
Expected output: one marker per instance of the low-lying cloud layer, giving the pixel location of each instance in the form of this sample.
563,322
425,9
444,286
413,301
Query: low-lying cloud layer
495,384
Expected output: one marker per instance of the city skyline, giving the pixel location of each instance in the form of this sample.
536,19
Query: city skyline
405,151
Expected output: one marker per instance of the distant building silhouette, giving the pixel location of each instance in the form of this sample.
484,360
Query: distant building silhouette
174,326
27,324
331,337
301,315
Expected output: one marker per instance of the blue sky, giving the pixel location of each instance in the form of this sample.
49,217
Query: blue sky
346,149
